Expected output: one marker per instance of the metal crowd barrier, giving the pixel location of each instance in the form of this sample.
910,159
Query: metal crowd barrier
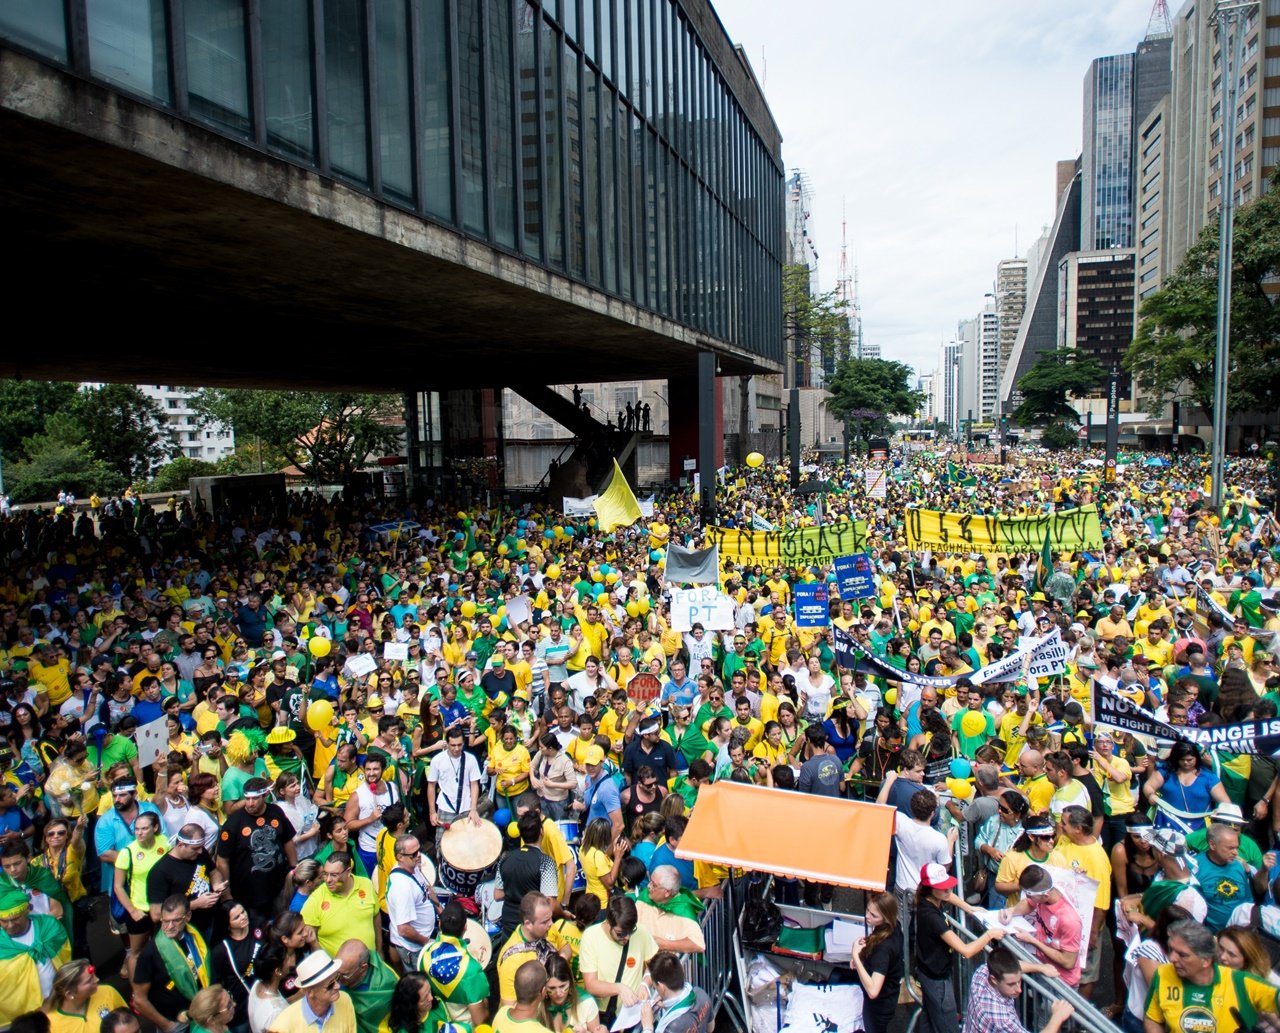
716,969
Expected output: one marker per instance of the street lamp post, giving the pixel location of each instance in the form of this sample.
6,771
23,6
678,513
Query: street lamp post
1229,17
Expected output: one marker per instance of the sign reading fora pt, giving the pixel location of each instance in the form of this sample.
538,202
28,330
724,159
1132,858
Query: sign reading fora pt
705,605
812,610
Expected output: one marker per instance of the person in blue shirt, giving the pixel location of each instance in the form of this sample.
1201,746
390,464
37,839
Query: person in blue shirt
14,824
681,689
149,706
1225,880
600,797
665,854
114,830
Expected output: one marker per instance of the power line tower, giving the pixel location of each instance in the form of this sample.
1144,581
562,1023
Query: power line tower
1159,25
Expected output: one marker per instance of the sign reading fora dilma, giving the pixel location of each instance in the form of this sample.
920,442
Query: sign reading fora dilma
812,609
854,577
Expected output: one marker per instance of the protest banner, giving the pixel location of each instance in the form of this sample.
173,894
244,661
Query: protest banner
877,483
1048,657
395,651
705,605
1115,711
812,609
854,577
579,507
789,546
1067,529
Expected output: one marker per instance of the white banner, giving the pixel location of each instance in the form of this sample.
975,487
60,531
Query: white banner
579,507
877,483
152,740
705,605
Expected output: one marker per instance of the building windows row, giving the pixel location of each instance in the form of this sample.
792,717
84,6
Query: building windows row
595,137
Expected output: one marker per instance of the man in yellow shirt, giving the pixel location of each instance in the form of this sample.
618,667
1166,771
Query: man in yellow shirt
1154,647
323,1007
527,943
344,907
594,633
51,671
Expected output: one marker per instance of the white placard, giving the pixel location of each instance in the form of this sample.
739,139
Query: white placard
395,651
361,666
706,605
152,740
519,610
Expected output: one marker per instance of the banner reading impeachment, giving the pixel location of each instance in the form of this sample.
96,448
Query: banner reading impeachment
789,545
1068,529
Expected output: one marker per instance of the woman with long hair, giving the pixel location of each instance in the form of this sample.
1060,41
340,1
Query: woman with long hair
209,671
413,1007
231,960
1244,951
79,999
646,830
132,865
997,835
297,940
600,857
1187,786
1133,866
24,734
265,999
302,813
569,1011
877,958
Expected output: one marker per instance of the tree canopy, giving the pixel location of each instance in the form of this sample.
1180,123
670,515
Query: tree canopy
812,319
866,392
1172,355
1047,385
327,436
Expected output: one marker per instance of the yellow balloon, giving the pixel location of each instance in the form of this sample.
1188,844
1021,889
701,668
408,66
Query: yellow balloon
755,460
558,531
644,606
633,609
596,576
319,646
477,558
960,788
973,723
502,549
891,697
612,577
319,715
468,609
553,571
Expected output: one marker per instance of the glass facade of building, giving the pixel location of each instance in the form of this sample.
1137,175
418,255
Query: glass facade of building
1108,154
596,138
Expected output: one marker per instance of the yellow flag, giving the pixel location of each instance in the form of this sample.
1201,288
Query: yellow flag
617,507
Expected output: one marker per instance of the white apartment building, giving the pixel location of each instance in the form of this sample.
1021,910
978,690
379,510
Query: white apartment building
195,442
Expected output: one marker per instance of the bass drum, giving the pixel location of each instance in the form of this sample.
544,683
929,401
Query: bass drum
468,856
569,829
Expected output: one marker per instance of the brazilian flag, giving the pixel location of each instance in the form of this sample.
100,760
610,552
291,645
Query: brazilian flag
1234,770
957,476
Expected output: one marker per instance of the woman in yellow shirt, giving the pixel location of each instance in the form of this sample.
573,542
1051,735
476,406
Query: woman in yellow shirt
509,762
600,857
456,649
62,852
771,749
79,999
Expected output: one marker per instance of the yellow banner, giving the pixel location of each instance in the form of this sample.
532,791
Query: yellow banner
792,546
1068,529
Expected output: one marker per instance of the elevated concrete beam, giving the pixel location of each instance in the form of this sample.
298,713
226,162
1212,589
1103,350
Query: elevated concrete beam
152,250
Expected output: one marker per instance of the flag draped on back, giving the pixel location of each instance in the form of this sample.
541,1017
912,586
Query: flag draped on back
1044,566
617,506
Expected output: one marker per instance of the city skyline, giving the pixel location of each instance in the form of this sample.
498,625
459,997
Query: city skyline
965,176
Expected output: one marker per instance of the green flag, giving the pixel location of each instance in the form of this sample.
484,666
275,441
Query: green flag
1045,567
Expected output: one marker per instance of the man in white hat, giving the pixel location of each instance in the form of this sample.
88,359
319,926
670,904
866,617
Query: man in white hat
323,1007
1227,814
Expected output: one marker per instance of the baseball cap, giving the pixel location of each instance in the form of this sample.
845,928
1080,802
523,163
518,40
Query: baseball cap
593,756
934,877
472,655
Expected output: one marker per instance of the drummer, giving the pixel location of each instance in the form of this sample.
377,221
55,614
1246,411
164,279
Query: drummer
453,784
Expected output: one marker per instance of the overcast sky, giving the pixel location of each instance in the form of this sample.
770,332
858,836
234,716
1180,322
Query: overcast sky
938,126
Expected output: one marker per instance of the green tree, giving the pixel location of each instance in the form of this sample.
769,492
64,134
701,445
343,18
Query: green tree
58,459
328,436
865,393
124,429
1047,385
1172,355
24,407
812,319
174,476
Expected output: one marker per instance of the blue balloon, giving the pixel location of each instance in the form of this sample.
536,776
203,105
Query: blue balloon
502,818
961,768
605,568
597,590
548,535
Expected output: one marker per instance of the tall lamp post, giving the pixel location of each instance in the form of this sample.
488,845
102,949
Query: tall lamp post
1229,17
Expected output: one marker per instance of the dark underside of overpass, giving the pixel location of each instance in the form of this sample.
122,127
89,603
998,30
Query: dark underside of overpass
123,268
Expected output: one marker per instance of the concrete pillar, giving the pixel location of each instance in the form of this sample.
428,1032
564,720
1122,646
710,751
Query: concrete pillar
685,419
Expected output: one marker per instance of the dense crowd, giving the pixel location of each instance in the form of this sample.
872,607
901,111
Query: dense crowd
338,764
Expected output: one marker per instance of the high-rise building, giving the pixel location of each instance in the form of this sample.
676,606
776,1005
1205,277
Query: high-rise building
988,362
1011,302
946,383
195,442
1106,219
1095,307
925,386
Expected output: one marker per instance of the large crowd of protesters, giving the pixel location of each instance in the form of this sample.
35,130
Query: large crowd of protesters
361,766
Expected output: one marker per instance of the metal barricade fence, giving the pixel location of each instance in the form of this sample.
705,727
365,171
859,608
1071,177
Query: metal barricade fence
1038,992
722,964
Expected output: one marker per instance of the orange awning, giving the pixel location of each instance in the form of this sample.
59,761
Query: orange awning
820,838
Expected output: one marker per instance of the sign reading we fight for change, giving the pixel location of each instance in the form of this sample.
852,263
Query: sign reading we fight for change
705,605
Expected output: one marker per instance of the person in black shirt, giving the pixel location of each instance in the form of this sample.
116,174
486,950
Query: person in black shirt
877,959
256,851
1083,773
649,749
934,944
187,871
880,753
523,871
231,959
158,996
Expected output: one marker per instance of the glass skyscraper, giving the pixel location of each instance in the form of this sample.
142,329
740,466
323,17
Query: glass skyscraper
1107,162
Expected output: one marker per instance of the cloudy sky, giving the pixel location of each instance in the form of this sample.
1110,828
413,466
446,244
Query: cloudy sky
938,125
